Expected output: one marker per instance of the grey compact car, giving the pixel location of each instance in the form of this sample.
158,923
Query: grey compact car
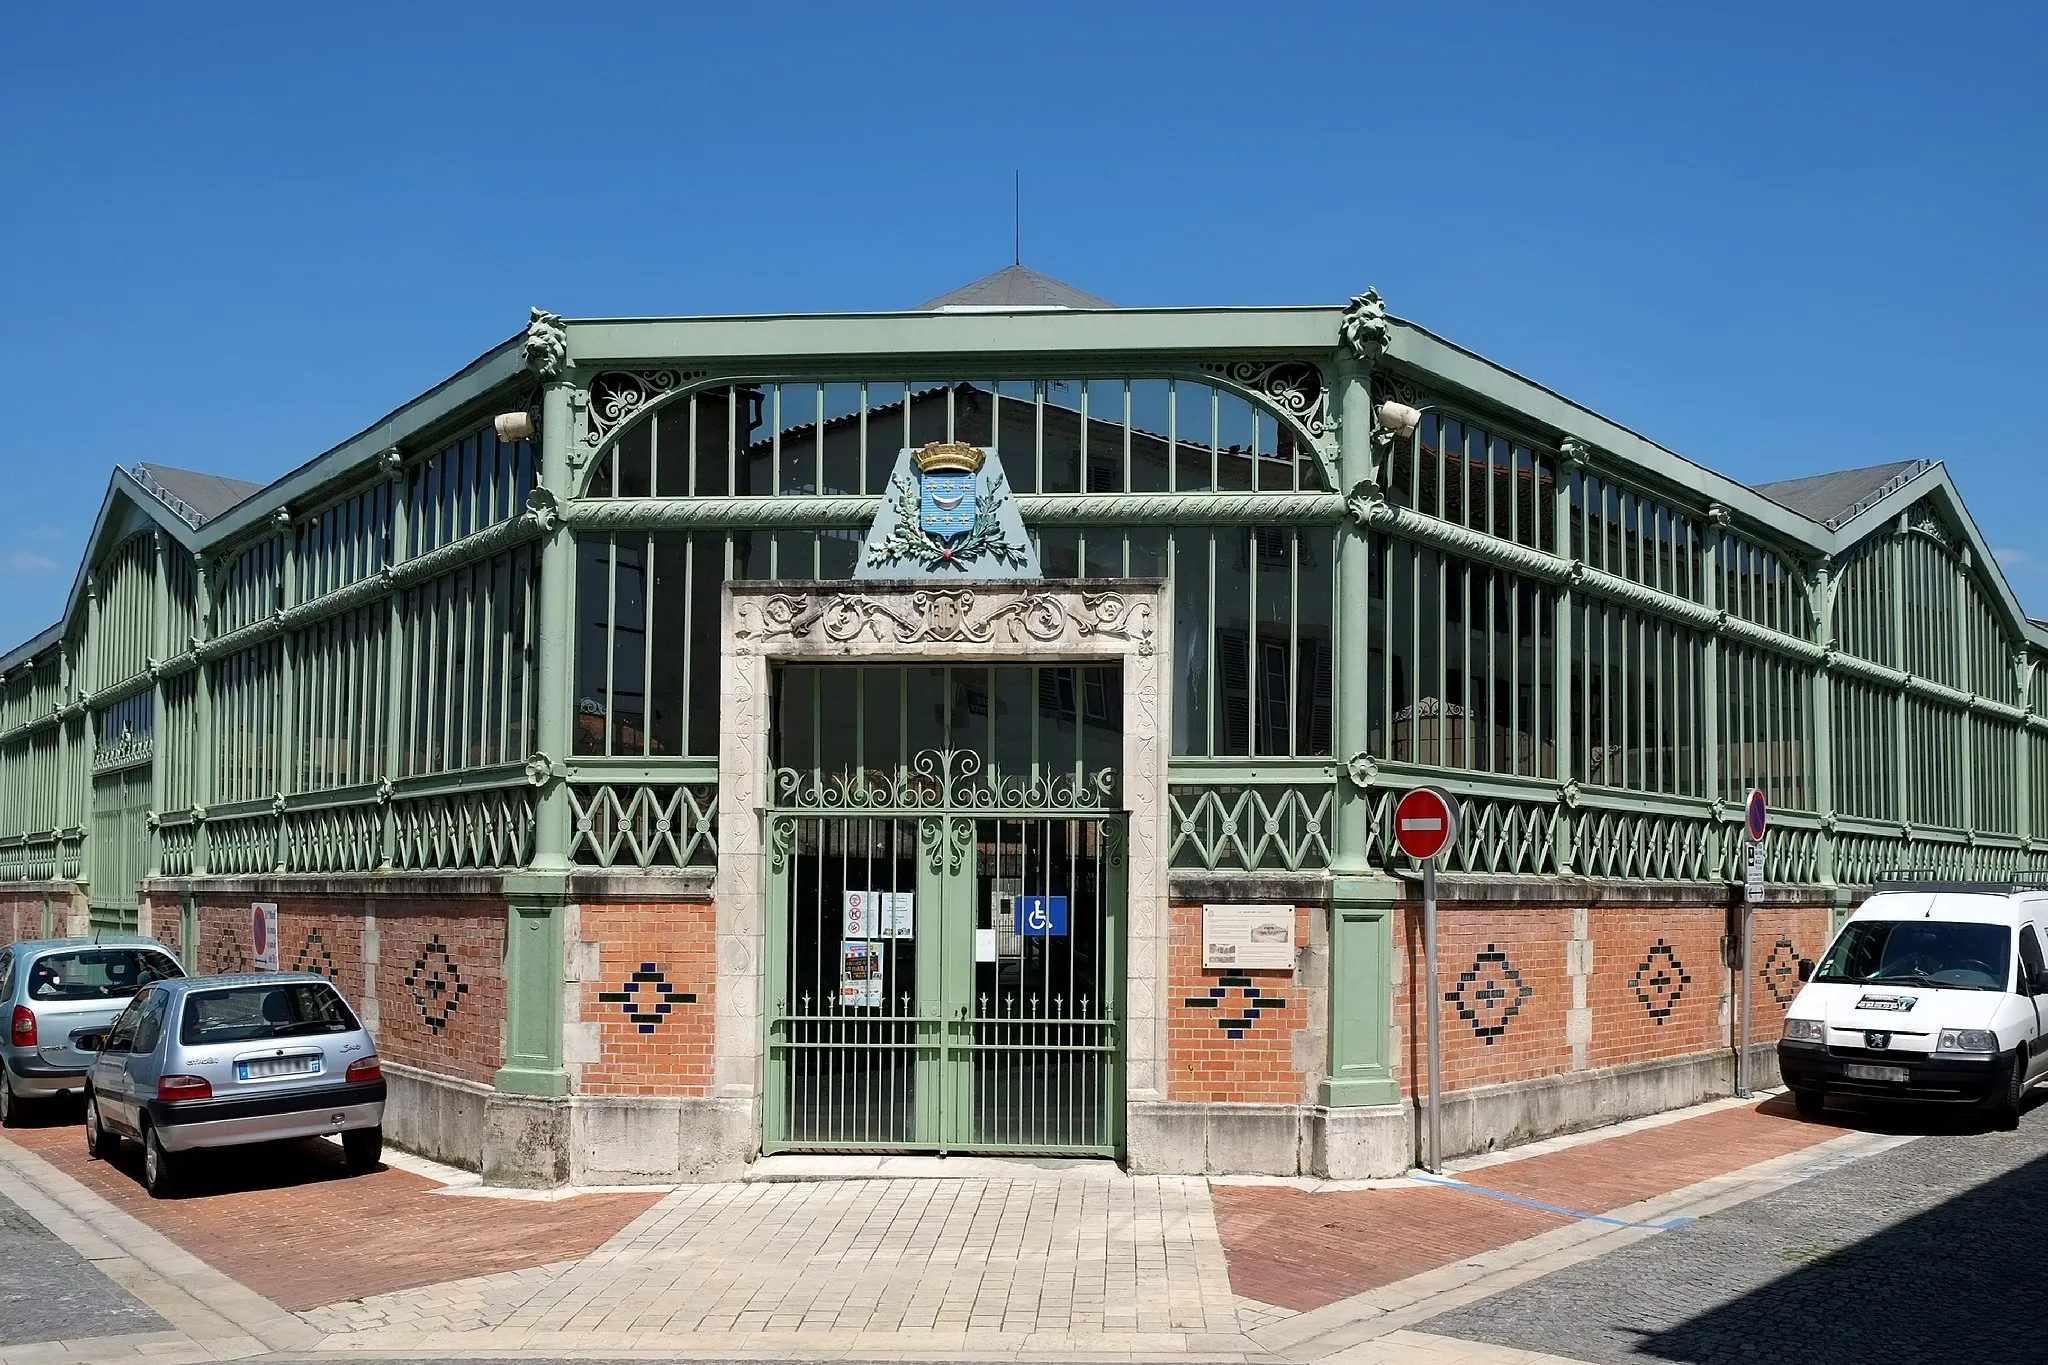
220,1061
53,990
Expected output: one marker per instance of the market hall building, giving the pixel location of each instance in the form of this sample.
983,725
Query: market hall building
975,729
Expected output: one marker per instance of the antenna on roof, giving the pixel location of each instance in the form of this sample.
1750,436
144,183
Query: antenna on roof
1017,218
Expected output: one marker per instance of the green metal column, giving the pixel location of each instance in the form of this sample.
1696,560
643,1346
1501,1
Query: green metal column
1710,690
2023,765
1895,581
1821,602
1966,678
394,651
159,650
289,721
536,900
204,764
1361,900
1572,460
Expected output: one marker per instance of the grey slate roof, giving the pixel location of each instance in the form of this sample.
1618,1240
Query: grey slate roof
1015,286
194,495
1829,498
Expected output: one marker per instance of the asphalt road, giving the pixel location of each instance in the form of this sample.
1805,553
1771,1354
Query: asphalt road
48,1291
1935,1251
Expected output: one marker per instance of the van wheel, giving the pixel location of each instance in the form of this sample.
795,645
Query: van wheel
364,1148
11,1104
98,1141
1810,1103
159,1170
2005,1107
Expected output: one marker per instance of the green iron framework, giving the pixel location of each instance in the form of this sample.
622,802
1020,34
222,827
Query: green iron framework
432,649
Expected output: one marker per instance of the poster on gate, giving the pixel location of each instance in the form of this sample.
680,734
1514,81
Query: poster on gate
860,975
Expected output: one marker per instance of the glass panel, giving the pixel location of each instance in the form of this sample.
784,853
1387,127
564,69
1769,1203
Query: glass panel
1062,436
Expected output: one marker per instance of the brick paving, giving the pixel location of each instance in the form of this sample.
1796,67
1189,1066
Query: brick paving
290,1222
1299,1250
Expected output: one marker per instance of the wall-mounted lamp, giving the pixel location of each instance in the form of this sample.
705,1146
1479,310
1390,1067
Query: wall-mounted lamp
514,427
1399,419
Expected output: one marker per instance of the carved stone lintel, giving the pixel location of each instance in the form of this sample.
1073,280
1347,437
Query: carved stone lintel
547,343
946,616
1364,330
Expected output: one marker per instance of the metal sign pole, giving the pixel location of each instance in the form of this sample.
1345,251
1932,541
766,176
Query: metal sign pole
1436,996
1742,1057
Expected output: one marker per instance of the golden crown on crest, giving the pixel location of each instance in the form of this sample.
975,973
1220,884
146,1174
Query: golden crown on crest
949,457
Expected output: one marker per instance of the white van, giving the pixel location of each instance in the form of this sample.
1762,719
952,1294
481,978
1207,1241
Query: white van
1933,993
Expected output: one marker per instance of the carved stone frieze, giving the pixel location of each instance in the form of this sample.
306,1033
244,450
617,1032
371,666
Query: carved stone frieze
1046,618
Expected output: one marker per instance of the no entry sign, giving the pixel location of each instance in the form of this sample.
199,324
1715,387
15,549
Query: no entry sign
1426,823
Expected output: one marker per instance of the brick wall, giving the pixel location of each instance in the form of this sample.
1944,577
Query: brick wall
1781,936
438,977
21,916
1659,985
1542,990
1231,1033
1508,991
166,924
441,986
650,1005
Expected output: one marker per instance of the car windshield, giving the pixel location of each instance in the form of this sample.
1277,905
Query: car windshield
1919,952
239,1013
97,973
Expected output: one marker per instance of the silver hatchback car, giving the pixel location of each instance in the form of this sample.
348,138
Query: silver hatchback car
221,1061
51,991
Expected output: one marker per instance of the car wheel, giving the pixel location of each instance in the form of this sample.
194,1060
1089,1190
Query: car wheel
159,1170
364,1148
10,1104
98,1141
1810,1103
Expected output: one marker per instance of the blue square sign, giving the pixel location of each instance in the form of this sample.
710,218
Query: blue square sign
1041,916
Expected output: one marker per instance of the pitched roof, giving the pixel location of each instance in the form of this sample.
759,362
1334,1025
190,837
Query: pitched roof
1832,499
1014,286
196,498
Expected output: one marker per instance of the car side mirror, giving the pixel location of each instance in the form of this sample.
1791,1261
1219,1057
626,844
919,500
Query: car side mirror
90,1042
1806,969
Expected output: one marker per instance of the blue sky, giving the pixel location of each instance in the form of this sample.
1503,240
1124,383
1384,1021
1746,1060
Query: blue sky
1779,239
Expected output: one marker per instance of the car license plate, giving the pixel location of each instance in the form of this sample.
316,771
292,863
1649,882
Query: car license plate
1856,1071
263,1068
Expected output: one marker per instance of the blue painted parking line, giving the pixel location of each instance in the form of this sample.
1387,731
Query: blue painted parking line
1552,1208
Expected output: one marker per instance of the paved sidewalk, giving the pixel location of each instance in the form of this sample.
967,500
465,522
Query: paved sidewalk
932,1260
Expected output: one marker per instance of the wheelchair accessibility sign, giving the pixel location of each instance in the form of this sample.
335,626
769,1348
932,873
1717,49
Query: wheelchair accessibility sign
1041,916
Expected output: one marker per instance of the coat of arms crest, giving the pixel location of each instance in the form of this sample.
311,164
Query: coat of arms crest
948,511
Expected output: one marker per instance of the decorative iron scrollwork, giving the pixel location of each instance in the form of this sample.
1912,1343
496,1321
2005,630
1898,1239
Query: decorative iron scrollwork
944,780
1294,386
616,395
953,616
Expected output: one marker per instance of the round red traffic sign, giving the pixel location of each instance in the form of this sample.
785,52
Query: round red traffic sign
1756,814
1426,822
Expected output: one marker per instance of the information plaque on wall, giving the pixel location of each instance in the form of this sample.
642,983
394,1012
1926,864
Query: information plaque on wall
1248,936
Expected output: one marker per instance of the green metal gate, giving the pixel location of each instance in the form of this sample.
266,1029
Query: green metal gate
118,848
946,941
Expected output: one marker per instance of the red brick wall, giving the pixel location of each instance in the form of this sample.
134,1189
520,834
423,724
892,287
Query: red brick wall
167,926
1230,1033
1505,965
652,1001
21,917
1780,937
439,973
441,986
1658,982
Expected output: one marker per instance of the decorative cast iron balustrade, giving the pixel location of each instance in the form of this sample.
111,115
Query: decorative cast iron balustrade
944,780
646,824
1245,828
339,838
488,828
177,840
